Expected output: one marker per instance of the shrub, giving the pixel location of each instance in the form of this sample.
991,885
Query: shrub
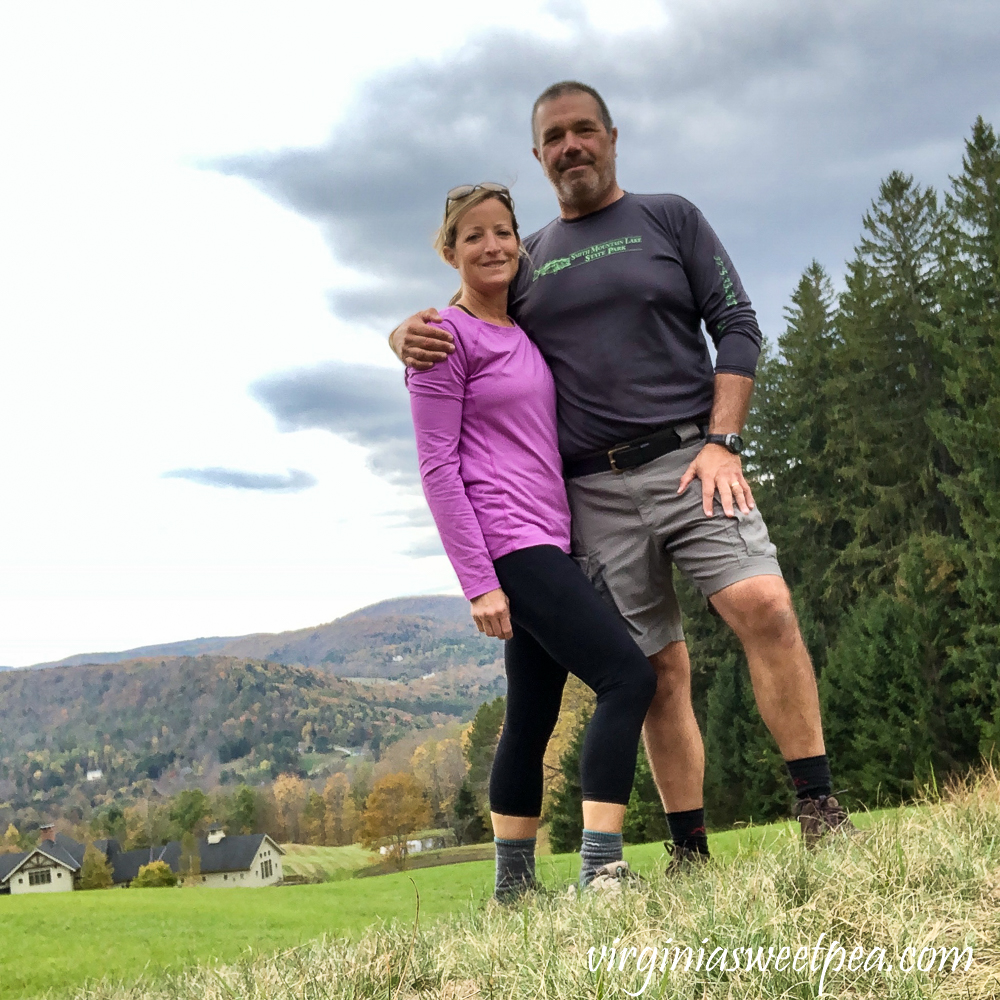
154,875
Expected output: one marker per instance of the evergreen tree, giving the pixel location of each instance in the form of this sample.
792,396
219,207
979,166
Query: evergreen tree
744,772
893,721
967,420
95,872
887,379
645,820
480,747
787,434
468,822
566,816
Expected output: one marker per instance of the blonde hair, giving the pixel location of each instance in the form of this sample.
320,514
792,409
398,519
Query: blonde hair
448,231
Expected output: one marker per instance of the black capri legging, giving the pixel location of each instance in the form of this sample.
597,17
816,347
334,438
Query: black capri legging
562,625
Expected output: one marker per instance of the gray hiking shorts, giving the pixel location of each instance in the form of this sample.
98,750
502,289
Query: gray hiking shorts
630,528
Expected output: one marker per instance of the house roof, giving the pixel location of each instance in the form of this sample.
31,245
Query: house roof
8,862
126,864
52,851
231,854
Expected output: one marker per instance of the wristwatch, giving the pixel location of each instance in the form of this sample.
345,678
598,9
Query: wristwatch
731,442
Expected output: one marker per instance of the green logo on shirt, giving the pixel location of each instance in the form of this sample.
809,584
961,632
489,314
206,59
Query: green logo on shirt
727,282
624,244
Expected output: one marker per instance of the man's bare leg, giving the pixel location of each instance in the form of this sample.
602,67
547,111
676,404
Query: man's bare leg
671,734
760,612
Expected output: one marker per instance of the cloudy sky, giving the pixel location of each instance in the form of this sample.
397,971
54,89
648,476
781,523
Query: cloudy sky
211,213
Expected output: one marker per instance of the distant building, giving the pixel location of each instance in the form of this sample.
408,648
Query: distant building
247,861
434,843
95,775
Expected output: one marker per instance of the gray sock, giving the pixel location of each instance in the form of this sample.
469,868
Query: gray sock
515,867
598,849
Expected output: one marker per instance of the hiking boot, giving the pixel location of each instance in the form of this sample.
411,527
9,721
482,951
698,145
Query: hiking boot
612,877
821,816
684,860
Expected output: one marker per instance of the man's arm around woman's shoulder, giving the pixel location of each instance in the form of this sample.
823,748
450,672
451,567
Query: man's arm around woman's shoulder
419,345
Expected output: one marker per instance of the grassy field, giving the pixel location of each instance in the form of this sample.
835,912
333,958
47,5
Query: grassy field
60,942
325,864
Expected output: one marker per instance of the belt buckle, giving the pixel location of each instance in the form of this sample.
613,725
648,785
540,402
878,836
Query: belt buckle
611,458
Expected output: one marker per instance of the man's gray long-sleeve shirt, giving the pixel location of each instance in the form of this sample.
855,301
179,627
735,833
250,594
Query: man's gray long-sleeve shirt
615,302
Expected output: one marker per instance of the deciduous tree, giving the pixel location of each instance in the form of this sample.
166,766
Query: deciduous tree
290,793
95,872
396,807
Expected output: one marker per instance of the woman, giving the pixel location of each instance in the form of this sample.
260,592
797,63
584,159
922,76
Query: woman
485,422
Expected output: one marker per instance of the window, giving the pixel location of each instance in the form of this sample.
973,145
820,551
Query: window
266,869
42,876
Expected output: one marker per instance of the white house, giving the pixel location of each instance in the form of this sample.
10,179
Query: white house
47,868
247,860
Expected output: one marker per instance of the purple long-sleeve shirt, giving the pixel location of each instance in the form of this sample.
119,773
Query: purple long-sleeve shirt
489,457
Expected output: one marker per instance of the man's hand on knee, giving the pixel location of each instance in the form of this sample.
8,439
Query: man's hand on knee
418,345
720,472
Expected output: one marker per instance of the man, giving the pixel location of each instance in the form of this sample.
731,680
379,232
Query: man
614,293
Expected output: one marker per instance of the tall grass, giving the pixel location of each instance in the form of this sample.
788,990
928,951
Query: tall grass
929,879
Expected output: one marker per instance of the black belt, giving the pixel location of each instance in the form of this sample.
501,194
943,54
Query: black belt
631,454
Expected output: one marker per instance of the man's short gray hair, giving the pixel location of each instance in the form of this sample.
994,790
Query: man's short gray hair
563,88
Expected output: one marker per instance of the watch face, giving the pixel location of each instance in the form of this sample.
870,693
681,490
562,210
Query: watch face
735,443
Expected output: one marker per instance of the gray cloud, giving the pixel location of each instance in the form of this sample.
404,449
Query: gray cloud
777,119
429,546
294,481
419,517
366,405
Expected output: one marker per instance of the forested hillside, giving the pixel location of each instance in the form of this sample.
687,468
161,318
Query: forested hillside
153,726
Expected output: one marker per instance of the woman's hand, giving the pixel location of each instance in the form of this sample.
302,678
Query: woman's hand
491,613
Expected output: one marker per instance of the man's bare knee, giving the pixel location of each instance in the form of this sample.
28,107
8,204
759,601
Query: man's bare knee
760,607
673,670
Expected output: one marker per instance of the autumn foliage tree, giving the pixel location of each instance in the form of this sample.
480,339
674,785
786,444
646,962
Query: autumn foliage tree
95,872
396,807
11,843
341,817
290,795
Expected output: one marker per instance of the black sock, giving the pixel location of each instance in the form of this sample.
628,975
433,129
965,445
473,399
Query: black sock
688,830
810,776
515,867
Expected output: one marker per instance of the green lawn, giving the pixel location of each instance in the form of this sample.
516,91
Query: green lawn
57,942
326,863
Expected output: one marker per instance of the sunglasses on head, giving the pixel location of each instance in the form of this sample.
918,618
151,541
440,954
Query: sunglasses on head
464,190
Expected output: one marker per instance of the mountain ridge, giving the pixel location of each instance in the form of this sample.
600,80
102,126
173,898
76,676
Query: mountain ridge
312,645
